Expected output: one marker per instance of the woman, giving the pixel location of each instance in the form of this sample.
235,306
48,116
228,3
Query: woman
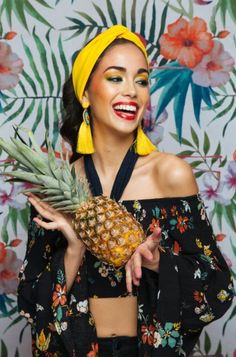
176,281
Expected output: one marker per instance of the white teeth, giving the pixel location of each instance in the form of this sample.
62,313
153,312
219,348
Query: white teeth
129,108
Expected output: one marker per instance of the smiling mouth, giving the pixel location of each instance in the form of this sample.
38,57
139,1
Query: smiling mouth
126,111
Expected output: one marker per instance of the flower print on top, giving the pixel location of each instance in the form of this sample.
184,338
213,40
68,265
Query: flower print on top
191,261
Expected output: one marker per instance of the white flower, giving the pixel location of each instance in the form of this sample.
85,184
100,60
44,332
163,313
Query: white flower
39,307
64,326
197,273
10,67
157,339
140,312
214,68
82,306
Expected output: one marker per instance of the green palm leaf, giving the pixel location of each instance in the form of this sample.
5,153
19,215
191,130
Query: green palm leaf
133,16
123,13
20,7
43,58
101,15
111,12
41,96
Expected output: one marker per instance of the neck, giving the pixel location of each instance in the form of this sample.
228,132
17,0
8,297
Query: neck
110,152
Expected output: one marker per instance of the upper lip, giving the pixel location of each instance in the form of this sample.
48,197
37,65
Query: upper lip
130,106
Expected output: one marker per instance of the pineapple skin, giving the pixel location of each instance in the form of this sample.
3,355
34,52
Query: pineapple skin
108,230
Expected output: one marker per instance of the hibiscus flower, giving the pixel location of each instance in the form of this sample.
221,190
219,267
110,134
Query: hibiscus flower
9,198
152,126
213,190
9,269
214,68
186,41
10,66
230,181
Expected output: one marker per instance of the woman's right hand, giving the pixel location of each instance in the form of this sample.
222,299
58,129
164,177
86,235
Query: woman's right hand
56,220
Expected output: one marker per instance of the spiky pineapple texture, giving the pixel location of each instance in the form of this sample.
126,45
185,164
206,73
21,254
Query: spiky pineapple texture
108,230
55,180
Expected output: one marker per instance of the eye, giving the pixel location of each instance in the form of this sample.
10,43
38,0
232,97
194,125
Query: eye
143,82
114,79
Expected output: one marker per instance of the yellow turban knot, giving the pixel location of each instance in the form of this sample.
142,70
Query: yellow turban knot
89,55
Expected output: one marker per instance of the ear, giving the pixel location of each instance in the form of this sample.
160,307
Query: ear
85,100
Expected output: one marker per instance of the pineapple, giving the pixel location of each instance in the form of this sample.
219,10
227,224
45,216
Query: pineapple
107,229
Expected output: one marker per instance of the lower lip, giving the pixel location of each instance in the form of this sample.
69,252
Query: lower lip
126,116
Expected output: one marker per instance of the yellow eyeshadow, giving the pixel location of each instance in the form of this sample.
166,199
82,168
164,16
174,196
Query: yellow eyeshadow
143,77
112,74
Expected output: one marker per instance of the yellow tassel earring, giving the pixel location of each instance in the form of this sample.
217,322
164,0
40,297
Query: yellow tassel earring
143,145
85,140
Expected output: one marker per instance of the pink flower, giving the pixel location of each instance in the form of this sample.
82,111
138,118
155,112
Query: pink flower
10,66
214,68
231,176
9,268
213,191
9,198
152,127
202,2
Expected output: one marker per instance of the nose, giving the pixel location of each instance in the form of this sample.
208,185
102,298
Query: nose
129,88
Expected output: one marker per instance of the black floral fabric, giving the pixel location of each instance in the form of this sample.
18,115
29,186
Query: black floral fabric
192,288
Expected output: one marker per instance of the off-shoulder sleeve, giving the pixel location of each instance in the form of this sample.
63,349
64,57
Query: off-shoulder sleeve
44,300
205,283
35,289
41,246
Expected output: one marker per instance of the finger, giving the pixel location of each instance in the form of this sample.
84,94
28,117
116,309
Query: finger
43,211
43,204
128,276
144,250
137,271
46,225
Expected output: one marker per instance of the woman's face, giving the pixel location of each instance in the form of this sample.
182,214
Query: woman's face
118,92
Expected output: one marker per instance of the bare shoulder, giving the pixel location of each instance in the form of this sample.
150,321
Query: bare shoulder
175,175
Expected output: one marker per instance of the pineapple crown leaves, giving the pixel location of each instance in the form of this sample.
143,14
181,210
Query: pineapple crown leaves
56,180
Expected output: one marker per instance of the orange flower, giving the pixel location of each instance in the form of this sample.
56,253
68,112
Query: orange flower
10,35
15,242
198,296
186,41
163,213
220,237
94,351
182,226
223,34
147,334
176,247
59,295
155,224
173,210
3,252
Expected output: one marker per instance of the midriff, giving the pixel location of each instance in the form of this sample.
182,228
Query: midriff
114,316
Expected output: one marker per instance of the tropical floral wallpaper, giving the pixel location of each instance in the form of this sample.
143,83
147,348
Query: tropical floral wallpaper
192,50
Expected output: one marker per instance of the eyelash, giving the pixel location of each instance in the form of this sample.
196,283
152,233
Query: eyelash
117,79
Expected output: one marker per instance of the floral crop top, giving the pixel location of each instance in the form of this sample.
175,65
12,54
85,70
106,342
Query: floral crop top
193,286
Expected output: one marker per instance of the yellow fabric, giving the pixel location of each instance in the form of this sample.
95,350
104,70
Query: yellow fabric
143,145
85,140
89,55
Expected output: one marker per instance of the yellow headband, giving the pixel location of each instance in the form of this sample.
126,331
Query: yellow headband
89,55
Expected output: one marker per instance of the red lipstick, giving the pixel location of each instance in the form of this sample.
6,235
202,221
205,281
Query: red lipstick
126,110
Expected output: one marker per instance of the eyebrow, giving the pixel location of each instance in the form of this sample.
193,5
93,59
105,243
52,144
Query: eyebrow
123,69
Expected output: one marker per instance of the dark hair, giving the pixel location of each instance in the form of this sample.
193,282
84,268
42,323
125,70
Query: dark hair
72,113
